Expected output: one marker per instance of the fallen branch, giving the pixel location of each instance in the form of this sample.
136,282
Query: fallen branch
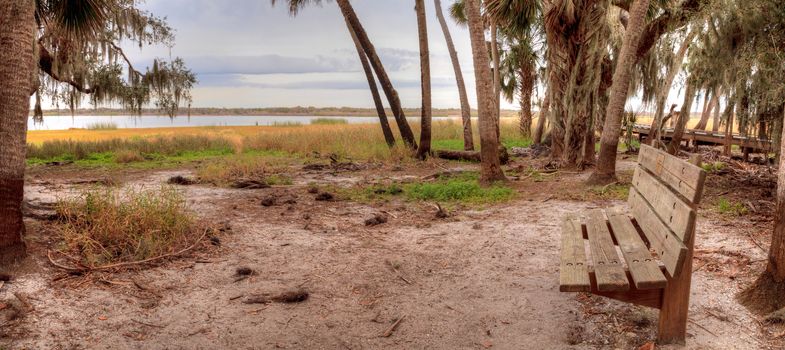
392,328
472,156
124,264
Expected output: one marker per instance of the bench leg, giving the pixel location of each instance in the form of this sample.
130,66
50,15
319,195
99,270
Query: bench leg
676,303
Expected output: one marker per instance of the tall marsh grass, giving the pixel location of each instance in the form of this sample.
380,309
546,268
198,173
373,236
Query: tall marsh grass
102,126
329,121
354,141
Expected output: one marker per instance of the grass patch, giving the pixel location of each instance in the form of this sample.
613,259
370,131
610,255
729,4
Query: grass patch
450,144
516,142
105,226
227,170
462,188
329,121
618,191
102,126
727,207
128,156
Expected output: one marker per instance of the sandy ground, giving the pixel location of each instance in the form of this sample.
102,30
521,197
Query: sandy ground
481,278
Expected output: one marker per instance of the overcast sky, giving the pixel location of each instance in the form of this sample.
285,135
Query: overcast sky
247,53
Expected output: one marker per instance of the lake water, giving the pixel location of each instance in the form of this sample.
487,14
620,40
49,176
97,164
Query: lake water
130,122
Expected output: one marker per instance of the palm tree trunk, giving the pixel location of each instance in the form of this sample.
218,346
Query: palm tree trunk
776,265
684,117
490,169
497,88
425,81
377,99
541,117
527,85
662,95
392,96
726,151
609,141
704,122
466,111
715,125
16,74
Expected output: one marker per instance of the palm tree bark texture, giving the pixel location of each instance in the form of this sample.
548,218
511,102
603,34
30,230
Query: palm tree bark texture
16,81
466,116
606,165
425,82
490,169
576,47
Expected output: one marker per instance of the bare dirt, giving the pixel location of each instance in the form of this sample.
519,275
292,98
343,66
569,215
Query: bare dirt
483,277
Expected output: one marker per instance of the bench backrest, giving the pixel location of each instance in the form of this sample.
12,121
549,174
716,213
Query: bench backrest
664,197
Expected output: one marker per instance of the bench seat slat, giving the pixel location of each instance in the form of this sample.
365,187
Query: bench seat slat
670,248
685,178
672,210
644,270
573,273
608,268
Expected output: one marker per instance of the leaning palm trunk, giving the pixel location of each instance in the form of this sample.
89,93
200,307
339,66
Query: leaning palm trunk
466,115
606,164
715,125
425,82
684,117
16,74
490,169
377,99
662,94
526,74
392,96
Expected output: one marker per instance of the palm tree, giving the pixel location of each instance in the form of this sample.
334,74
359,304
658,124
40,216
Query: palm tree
662,94
490,170
425,81
606,166
16,73
78,54
377,99
370,51
466,116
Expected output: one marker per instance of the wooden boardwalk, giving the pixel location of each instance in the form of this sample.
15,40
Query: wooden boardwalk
702,137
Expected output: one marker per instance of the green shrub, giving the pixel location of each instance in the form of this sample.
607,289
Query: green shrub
458,188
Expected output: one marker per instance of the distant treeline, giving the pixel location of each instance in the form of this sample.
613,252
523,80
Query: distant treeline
291,111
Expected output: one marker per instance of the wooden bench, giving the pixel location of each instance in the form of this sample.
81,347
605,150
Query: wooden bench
644,258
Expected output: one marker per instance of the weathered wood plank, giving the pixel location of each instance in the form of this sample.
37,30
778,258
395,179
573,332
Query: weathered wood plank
643,267
670,248
685,178
573,272
608,267
672,210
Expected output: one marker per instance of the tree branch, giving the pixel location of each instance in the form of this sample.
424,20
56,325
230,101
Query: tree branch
669,20
122,53
45,61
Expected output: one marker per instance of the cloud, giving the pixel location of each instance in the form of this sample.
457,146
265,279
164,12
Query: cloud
269,64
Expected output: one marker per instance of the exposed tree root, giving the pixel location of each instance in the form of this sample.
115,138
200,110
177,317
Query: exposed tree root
598,179
764,296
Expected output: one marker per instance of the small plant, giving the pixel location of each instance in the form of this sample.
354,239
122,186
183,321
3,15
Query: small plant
329,121
726,207
105,226
102,126
713,167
